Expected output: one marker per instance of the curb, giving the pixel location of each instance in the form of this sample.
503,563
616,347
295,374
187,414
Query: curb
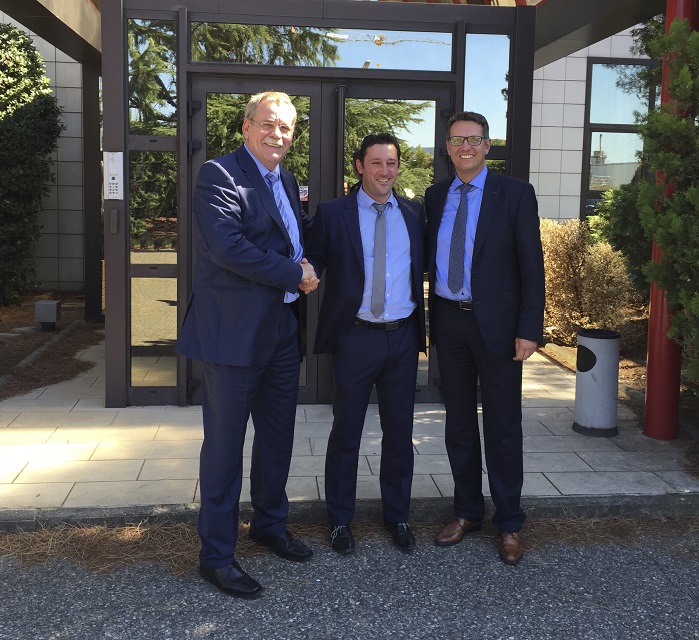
424,510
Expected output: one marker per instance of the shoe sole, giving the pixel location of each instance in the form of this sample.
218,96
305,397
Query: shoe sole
472,529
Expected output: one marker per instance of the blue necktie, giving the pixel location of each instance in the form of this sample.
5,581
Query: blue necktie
287,216
378,283
457,248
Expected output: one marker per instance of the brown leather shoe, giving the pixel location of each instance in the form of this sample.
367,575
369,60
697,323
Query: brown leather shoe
511,547
454,532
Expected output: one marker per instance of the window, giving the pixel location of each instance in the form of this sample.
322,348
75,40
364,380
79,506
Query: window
618,93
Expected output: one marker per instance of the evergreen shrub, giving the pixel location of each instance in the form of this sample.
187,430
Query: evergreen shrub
29,131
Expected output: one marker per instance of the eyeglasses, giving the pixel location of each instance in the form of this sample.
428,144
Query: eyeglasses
457,141
270,127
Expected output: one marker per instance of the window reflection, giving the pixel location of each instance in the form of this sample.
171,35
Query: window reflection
152,77
225,113
485,85
613,159
153,206
319,47
613,99
153,332
416,138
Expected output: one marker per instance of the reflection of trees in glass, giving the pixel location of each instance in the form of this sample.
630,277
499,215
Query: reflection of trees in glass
639,80
364,117
224,119
153,199
262,44
152,89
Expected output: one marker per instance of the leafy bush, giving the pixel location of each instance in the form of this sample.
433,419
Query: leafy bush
617,222
587,284
29,132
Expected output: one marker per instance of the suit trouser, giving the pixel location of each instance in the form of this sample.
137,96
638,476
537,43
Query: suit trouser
464,359
363,357
230,394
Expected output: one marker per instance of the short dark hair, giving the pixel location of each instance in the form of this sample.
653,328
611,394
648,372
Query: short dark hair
469,116
371,140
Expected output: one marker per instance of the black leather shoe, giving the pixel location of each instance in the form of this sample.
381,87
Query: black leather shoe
342,540
403,537
233,581
285,546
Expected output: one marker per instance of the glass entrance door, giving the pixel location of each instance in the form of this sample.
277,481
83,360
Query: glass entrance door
332,120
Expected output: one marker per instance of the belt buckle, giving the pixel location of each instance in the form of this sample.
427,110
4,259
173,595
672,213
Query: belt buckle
390,326
466,305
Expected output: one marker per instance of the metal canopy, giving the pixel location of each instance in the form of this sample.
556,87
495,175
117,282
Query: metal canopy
562,26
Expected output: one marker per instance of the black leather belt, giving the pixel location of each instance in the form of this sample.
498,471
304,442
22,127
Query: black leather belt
464,305
384,326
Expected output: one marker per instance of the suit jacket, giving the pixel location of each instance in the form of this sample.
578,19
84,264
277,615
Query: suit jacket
242,264
335,246
507,273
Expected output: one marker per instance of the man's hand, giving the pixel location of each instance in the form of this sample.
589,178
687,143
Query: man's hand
309,282
524,348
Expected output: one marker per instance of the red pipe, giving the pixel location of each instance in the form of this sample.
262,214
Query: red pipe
664,362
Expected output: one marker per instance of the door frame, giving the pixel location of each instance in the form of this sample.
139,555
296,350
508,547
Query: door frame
326,169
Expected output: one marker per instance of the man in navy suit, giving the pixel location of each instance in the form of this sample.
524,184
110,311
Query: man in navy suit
370,246
486,302
242,324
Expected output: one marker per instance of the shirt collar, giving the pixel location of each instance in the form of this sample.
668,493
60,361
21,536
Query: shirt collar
261,168
478,181
365,201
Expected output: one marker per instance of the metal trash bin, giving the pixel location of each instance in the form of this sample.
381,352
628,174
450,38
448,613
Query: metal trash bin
597,382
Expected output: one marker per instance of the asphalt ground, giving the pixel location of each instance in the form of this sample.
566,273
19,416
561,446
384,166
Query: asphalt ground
639,588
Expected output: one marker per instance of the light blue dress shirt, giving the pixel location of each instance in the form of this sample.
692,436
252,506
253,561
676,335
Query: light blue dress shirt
399,302
446,226
293,226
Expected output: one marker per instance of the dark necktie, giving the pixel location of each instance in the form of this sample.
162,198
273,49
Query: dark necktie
287,216
378,284
457,248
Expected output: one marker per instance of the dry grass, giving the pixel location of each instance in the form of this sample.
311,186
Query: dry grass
101,548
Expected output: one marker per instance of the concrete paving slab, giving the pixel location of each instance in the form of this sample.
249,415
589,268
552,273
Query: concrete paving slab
591,483
25,435
128,493
112,434
80,471
554,462
34,496
170,469
147,449
634,461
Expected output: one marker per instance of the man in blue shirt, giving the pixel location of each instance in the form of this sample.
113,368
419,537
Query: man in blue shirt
369,245
486,273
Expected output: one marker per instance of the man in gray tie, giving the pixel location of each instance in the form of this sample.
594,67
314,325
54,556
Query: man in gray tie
369,245
486,274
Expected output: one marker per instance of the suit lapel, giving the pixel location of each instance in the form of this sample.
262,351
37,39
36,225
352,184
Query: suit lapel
491,193
247,164
350,216
441,191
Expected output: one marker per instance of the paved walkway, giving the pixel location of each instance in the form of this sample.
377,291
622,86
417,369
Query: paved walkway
64,456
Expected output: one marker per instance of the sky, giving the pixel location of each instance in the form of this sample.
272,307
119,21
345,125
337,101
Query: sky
487,62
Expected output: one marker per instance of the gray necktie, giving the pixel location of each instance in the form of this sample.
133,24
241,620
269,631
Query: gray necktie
378,284
457,248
